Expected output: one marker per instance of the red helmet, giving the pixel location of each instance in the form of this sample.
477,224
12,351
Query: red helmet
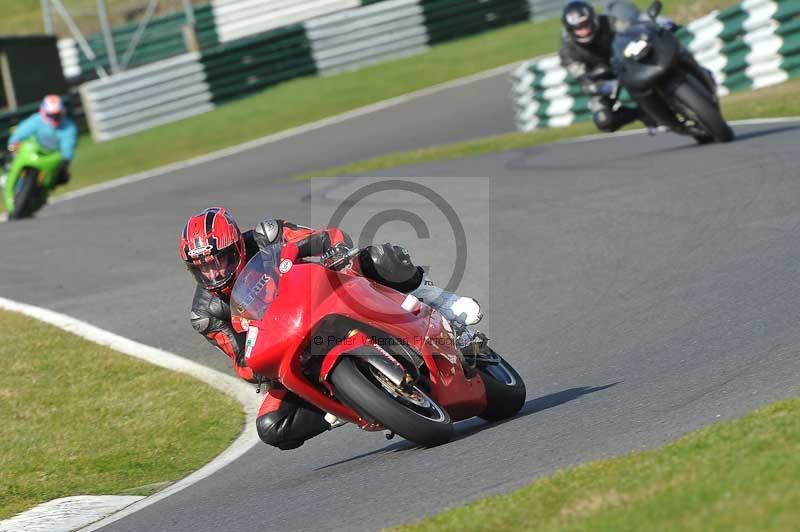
212,247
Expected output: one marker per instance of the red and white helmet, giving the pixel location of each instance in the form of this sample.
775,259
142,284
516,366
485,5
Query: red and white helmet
52,109
213,249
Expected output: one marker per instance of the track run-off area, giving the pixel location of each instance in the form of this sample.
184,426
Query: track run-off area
643,287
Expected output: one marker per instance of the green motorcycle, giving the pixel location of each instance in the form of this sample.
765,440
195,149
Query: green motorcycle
30,177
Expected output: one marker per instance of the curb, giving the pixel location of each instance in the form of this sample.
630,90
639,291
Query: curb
231,386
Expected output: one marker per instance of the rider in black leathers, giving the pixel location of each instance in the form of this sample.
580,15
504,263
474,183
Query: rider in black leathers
586,52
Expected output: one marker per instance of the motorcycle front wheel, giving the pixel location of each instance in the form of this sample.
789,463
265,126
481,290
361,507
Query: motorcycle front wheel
407,411
24,195
699,105
505,390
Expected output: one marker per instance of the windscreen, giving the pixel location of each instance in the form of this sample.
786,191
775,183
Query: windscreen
634,33
623,14
257,285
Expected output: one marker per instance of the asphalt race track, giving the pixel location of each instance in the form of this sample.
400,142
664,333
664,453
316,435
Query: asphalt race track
642,286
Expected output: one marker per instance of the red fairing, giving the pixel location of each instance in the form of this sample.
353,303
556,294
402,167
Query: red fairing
272,401
294,233
336,236
461,397
223,341
308,294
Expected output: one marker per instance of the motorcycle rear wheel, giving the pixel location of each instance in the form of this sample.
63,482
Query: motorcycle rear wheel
505,390
24,195
697,101
413,415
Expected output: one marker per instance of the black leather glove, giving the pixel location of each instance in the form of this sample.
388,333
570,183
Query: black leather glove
63,174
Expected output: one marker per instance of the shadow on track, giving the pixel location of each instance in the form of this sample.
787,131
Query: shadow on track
739,137
532,406
475,425
525,159
765,132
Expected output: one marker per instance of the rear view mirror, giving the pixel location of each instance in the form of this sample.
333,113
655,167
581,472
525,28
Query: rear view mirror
655,9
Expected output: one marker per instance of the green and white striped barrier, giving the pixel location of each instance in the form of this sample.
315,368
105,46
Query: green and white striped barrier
236,19
747,46
194,83
226,21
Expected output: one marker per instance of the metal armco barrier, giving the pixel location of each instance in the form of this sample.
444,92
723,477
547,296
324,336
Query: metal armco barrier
162,38
751,45
546,9
452,19
349,39
145,97
224,21
236,19
248,65
346,39
359,37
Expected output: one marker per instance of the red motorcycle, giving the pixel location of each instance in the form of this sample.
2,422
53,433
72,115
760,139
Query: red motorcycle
365,353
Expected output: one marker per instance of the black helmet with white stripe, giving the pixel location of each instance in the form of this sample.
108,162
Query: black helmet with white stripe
580,21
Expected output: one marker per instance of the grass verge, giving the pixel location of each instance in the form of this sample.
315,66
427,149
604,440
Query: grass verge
769,102
80,419
737,475
306,100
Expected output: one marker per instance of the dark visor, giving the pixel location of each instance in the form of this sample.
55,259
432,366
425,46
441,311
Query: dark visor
214,271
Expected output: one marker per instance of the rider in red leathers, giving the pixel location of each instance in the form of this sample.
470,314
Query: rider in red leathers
215,251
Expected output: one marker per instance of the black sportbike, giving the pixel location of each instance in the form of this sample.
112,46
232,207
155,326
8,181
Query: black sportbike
666,81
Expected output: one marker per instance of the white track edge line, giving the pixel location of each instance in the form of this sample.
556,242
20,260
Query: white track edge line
231,386
285,134
225,383
233,150
239,148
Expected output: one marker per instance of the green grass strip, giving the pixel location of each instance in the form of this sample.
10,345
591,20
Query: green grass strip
737,475
305,100
81,419
769,102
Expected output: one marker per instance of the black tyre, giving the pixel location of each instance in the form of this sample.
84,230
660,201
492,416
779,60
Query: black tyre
409,413
25,191
699,104
703,139
505,390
